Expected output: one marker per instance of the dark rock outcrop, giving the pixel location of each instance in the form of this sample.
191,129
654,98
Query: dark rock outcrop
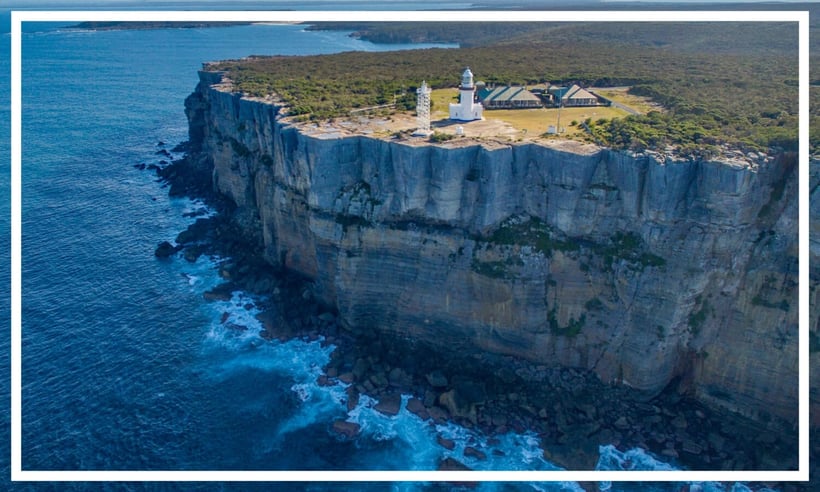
165,249
346,429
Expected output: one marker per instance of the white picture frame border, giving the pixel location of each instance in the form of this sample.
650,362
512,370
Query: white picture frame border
801,18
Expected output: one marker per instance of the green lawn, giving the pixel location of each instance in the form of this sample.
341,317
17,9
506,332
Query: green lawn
534,121
619,94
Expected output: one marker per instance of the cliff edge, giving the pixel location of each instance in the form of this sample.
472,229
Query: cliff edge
646,269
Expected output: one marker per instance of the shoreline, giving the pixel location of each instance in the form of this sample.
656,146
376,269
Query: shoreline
570,410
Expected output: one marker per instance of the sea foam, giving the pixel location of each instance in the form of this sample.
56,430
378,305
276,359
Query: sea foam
402,441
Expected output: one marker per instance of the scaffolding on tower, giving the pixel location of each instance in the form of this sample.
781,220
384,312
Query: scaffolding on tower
423,110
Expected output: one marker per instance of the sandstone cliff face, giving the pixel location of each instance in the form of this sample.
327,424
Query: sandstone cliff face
644,269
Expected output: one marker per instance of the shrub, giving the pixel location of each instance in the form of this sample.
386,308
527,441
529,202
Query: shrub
437,137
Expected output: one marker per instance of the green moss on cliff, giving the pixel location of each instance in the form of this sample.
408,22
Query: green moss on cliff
698,318
544,239
628,246
239,148
497,269
492,269
770,290
572,329
594,304
352,221
531,232
783,305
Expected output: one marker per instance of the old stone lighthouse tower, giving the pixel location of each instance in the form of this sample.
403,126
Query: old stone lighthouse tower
466,109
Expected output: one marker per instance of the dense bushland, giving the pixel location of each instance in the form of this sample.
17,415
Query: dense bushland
739,88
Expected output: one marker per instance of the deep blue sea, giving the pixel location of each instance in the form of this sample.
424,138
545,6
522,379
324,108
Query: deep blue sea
125,366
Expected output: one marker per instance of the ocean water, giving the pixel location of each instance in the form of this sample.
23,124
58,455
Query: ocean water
125,367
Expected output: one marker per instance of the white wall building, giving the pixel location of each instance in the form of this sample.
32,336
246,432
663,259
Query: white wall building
466,109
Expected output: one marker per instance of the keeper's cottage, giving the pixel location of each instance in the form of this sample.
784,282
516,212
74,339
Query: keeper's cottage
467,109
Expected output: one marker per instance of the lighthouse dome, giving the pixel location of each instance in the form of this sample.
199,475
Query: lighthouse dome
467,79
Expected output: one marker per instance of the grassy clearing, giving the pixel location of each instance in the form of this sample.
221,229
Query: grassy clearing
536,121
620,95
530,122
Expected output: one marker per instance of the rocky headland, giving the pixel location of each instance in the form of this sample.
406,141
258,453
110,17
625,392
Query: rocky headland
589,295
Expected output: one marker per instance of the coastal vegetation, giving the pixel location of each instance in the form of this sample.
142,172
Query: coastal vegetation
718,84
693,37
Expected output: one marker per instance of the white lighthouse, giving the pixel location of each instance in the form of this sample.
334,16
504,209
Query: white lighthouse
466,109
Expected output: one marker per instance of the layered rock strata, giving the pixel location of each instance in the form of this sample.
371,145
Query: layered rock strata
646,269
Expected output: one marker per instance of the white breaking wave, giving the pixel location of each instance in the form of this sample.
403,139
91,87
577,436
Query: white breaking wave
412,443
610,458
